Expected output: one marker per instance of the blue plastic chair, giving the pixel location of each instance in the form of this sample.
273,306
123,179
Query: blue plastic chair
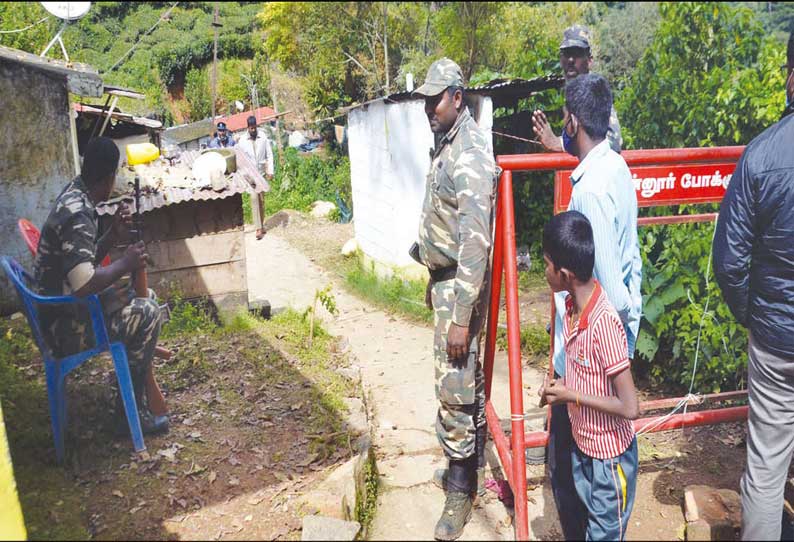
57,369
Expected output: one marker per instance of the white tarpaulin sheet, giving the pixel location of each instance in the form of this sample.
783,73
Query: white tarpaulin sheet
389,147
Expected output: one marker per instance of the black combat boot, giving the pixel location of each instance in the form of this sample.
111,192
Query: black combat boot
440,475
457,509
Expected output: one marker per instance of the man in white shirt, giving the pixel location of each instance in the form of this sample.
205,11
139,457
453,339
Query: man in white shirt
257,146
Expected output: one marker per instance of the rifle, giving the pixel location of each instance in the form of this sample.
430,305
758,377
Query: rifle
157,403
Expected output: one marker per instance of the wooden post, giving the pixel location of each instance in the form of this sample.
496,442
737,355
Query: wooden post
278,119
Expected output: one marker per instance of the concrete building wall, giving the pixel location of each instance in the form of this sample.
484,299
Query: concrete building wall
36,157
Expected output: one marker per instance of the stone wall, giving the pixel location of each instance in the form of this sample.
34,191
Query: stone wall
36,158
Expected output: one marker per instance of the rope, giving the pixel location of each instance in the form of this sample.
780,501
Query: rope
535,141
131,49
26,28
697,399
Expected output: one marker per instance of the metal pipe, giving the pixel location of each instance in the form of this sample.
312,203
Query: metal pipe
496,292
710,398
514,358
538,439
677,219
560,160
500,441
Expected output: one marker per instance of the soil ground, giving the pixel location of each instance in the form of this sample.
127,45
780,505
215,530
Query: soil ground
256,421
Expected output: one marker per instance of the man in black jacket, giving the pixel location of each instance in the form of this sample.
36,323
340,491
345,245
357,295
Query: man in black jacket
754,265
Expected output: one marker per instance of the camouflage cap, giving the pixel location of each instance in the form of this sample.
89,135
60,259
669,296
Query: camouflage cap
442,74
576,36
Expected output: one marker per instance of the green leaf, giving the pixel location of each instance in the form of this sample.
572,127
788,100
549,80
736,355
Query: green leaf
647,344
653,310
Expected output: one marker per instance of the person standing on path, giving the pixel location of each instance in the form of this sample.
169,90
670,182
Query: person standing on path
454,244
576,59
754,265
602,192
257,146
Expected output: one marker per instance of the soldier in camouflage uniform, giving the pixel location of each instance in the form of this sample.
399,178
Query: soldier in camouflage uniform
576,59
454,244
67,263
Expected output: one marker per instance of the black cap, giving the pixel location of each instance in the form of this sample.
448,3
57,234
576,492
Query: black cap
251,121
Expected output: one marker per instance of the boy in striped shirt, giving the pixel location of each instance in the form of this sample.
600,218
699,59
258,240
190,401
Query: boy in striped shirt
598,387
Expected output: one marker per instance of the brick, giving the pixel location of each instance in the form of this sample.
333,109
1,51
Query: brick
712,514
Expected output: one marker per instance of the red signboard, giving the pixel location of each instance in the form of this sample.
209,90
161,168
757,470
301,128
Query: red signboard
663,185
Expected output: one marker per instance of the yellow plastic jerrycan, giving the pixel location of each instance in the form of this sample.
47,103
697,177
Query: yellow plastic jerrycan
141,153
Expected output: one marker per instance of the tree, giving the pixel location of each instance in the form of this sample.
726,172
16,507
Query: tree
623,34
197,94
710,77
20,15
340,49
468,33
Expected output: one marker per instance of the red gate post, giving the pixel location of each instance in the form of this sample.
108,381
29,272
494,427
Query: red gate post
519,484
504,259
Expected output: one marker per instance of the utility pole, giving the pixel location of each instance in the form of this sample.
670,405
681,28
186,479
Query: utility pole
275,109
216,24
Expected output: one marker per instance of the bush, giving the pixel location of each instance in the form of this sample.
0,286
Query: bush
736,91
302,180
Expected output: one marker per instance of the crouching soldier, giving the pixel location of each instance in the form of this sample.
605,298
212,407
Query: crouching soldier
67,263
454,244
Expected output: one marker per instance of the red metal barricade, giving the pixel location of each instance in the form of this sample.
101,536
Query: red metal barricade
661,177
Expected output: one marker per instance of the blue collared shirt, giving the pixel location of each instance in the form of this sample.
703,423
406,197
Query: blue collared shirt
604,193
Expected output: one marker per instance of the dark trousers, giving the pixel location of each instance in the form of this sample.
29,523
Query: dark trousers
561,445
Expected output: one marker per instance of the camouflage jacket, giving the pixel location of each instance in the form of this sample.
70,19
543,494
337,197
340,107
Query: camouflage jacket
455,225
68,239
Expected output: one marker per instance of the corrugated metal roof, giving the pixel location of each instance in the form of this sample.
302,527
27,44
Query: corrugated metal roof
188,132
246,179
118,115
239,121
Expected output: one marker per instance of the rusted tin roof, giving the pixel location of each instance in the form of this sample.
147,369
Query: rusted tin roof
246,179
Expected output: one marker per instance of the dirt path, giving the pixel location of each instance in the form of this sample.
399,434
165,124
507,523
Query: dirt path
394,360
396,368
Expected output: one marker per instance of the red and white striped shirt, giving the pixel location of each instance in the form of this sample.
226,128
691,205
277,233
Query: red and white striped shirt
595,351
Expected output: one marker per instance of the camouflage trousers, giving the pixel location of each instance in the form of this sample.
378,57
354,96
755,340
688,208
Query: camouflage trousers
460,387
137,325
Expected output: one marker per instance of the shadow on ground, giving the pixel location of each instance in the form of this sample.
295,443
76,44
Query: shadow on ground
256,417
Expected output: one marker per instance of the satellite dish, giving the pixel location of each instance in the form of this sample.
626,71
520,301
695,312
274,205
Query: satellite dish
68,11
239,105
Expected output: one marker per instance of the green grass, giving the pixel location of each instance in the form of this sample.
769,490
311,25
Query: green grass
394,294
534,342
533,279
248,216
51,504
367,496
317,363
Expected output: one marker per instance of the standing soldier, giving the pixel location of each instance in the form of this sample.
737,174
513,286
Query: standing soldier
454,244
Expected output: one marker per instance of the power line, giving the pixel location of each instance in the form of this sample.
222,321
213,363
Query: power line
26,28
163,16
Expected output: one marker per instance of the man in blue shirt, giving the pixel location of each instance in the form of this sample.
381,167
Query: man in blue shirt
604,193
223,139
